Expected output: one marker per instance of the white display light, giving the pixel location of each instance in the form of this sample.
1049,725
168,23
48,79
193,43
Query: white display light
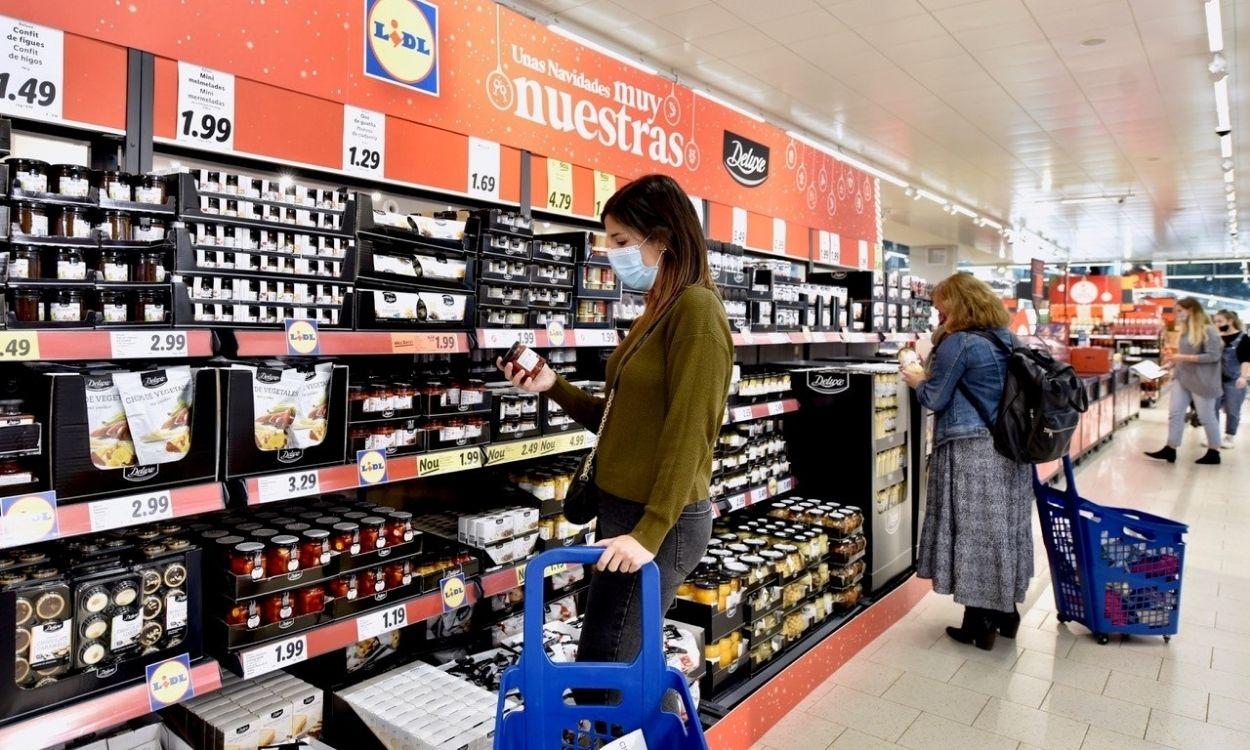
1222,123
1215,30
730,105
604,50
931,196
1226,146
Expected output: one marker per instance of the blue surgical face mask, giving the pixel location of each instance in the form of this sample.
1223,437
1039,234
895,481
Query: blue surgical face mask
629,266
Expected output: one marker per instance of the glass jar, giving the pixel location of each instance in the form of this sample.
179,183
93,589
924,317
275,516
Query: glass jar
399,527
147,230
66,306
397,574
30,218
31,175
310,599
114,265
114,185
149,267
149,306
25,262
370,582
70,265
245,613
314,548
277,607
116,225
113,306
28,305
247,559
282,555
344,587
296,528
346,537
706,592
372,533
149,188
263,534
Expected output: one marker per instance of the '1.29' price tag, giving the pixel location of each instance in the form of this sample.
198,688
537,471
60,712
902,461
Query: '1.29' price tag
384,621
205,107
285,486
32,70
131,510
364,141
483,177
274,656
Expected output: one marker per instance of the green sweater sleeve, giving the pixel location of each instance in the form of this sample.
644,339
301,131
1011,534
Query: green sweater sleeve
585,409
698,370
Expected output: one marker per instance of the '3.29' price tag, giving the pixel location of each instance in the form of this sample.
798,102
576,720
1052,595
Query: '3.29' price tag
286,486
32,70
130,510
205,108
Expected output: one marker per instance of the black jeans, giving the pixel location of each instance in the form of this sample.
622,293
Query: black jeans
612,630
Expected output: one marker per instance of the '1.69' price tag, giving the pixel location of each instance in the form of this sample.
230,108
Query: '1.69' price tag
483,177
205,107
285,486
130,510
384,621
274,656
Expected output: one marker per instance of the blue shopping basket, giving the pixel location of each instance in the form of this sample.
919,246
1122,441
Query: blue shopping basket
1114,570
548,720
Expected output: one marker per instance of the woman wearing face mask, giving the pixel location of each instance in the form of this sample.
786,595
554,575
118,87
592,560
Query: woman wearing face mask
1196,370
1235,367
668,383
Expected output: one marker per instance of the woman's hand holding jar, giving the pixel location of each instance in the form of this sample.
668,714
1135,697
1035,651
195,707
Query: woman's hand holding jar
540,381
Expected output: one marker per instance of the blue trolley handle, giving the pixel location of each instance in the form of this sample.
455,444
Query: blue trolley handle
1069,479
538,669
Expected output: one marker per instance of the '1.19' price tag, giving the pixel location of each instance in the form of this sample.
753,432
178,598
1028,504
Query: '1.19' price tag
483,177
205,107
32,70
285,486
274,656
130,510
383,621
364,141
139,344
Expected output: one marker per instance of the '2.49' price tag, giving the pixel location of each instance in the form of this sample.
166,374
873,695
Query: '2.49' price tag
130,510
205,107
274,656
19,346
285,486
383,621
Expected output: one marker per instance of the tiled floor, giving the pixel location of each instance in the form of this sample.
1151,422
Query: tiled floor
1054,687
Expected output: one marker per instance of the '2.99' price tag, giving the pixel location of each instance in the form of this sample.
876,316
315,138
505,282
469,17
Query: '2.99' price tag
286,486
130,510
205,108
139,344
274,656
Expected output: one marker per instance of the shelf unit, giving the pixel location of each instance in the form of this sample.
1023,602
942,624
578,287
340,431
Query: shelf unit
753,496
559,338
747,338
356,343
749,412
17,345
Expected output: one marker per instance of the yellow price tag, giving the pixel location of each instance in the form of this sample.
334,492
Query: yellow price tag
19,346
551,570
559,186
449,462
605,186
520,575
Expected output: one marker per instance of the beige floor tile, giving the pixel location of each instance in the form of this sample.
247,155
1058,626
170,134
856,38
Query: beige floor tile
1227,660
1088,651
1057,643
803,730
918,633
1174,699
1229,713
1098,710
866,676
1232,623
1177,649
1062,671
932,664
1003,655
1033,618
1105,739
867,713
941,699
936,733
855,740
1190,734
1213,681
1045,730
1000,683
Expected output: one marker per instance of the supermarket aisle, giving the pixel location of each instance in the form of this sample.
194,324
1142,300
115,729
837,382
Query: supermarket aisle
1054,687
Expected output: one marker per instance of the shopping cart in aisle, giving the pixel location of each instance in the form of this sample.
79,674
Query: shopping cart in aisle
1113,570
548,719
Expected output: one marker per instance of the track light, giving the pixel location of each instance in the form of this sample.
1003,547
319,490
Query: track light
1218,67
910,192
1215,29
1226,165
1226,146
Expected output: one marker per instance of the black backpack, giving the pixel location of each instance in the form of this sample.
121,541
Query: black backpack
1041,405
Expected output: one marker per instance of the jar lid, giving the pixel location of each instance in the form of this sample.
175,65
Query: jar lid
735,566
346,526
771,554
248,547
22,163
400,515
285,540
373,520
229,541
326,522
317,534
751,559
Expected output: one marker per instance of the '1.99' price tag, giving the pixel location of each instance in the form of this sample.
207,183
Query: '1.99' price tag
205,107
131,510
274,656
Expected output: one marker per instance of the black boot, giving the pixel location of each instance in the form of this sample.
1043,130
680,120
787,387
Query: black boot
1212,457
977,628
1166,453
1008,623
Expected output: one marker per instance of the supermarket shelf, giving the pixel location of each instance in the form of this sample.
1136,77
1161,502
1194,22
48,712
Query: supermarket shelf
889,441
746,338
151,343
503,338
899,338
511,577
288,485
1117,337
95,714
346,343
760,411
753,496
130,510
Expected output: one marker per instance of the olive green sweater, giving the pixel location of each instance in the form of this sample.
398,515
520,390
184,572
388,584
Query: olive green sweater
656,447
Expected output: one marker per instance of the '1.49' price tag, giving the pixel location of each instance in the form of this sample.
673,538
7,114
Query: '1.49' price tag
286,486
130,510
32,70
274,656
383,621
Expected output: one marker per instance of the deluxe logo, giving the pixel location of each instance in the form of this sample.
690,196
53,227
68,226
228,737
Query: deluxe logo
140,473
302,337
290,455
745,160
371,466
154,380
401,43
169,682
828,382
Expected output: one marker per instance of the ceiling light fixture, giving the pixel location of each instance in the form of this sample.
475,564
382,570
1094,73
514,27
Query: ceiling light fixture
842,155
1218,67
1226,165
910,192
1222,123
1079,199
1215,30
1229,178
1226,146
986,221
1094,41
1128,246
633,63
714,98
922,193
958,209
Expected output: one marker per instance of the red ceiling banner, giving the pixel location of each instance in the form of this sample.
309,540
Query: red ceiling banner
499,75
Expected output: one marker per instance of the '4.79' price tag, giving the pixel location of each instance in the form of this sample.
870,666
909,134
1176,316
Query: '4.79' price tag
274,656
130,510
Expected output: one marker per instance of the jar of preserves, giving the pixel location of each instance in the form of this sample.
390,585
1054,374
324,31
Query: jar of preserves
314,548
399,527
370,582
706,591
245,614
113,266
25,262
114,185
247,559
310,599
30,218
149,306
31,175
344,587
66,306
345,537
282,555
397,574
113,306
147,230
372,533
149,188
277,607
70,265
28,305
116,225
149,267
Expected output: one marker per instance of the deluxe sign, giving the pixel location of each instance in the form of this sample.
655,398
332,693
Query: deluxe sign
828,383
745,160
401,44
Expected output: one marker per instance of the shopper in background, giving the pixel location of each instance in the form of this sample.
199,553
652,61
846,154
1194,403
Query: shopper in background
671,377
1196,369
977,540
1235,367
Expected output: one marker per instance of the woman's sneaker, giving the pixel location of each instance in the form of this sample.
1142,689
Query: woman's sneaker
1228,442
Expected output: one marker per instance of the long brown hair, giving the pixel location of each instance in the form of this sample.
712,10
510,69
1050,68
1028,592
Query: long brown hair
970,303
1233,318
656,207
1198,323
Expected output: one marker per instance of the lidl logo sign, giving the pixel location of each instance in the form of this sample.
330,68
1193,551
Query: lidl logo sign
302,338
452,588
25,519
169,682
370,466
401,44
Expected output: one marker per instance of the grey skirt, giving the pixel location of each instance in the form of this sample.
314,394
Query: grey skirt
977,540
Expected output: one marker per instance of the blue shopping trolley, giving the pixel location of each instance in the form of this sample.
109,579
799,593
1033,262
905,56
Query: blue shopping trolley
1113,570
547,720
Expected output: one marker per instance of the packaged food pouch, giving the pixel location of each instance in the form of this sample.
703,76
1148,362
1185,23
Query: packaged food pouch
108,431
158,408
275,391
312,407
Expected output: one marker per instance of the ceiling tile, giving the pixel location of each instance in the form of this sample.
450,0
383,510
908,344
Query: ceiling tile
758,12
735,42
902,31
700,21
644,36
598,14
856,13
809,25
983,14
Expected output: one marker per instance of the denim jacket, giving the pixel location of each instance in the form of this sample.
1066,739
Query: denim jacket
982,367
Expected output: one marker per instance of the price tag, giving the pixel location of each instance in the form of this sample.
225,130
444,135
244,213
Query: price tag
556,569
130,510
740,414
559,186
364,142
140,344
25,519
274,656
759,495
205,108
32,70
779,236
596,337
822,246
275,487
698,209
737,502
835,249
425,343
448,462
375,624
776,407
746,337
483,178
739,234
785,485
19,346
605,186
863,255
520,575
